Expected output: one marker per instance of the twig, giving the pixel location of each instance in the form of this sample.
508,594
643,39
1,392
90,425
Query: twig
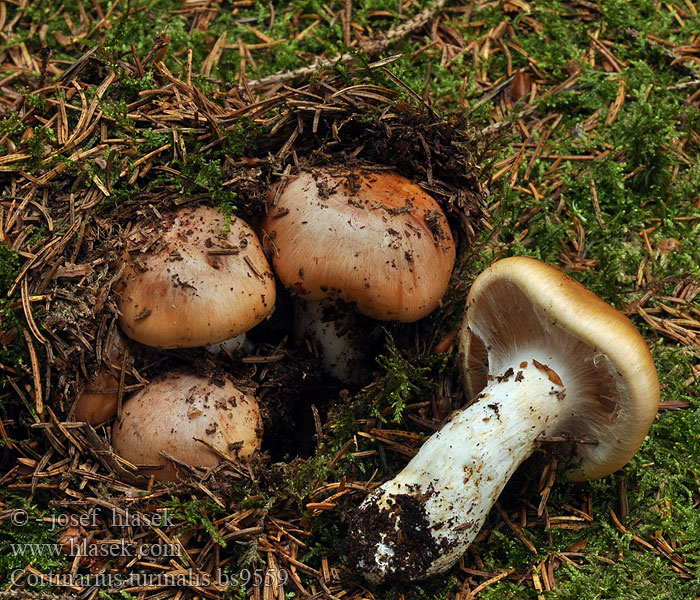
372,49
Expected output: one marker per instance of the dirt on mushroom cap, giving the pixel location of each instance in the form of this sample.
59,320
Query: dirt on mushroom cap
176,410
188,282
373,239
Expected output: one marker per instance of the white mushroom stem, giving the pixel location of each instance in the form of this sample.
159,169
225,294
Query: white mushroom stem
335,332
233,344
433,509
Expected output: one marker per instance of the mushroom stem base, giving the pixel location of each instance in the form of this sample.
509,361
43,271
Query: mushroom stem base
231,345
422,521
335,330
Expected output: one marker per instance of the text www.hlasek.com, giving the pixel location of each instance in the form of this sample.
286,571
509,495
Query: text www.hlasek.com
245,578
113,548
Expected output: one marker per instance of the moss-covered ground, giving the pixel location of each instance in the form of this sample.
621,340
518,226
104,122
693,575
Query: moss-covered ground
595,169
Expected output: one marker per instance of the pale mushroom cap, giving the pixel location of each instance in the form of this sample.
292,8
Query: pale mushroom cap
194,284
175,410
372,239
520,306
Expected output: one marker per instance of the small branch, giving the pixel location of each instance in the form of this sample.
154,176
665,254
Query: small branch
347,20
372,49
401,31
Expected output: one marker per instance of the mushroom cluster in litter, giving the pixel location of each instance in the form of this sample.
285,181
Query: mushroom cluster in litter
342,241
191,279
540,355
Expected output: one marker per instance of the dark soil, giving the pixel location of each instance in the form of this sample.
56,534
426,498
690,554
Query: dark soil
414,547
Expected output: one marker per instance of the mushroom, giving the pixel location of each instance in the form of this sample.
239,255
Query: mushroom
188,281
196,420
543,356
97,402
372,240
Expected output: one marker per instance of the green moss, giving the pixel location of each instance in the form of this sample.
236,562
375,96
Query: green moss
197,513
14,351
644,183
12,125
27,540
9,268
401,378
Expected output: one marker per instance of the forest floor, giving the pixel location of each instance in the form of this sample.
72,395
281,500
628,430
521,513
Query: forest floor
575,134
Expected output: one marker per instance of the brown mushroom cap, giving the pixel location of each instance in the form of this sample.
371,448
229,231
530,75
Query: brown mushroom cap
189,283
372,239
97,402
172,412
522,307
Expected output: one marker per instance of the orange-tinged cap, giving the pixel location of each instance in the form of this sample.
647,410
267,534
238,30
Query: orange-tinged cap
374,239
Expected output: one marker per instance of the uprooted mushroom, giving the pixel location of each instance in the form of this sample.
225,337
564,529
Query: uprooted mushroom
542,356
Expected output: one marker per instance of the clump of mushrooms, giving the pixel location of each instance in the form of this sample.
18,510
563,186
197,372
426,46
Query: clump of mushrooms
196,420
371,240
542,356
189,282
